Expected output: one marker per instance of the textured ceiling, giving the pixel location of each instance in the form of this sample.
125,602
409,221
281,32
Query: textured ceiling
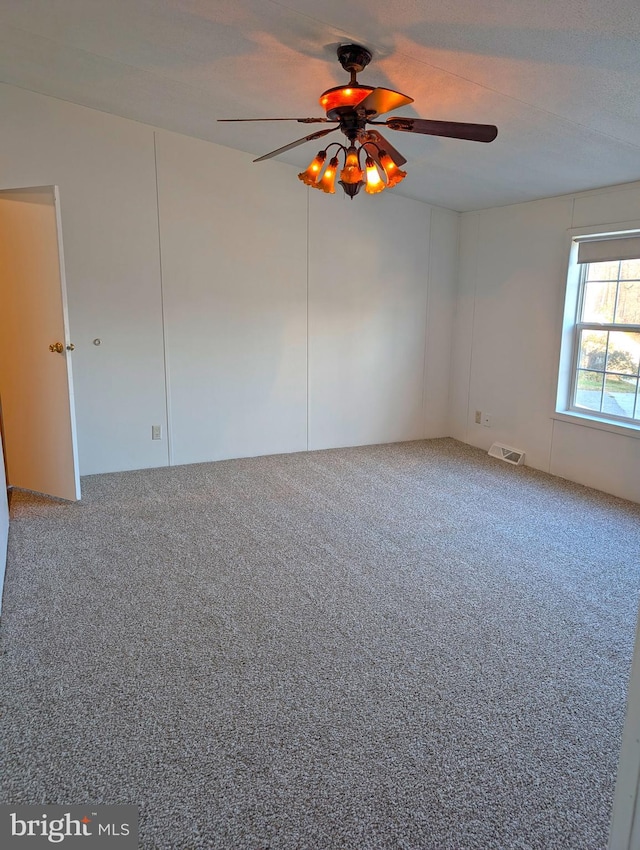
561,80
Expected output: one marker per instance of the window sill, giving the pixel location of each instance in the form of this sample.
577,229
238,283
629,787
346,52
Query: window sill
588,421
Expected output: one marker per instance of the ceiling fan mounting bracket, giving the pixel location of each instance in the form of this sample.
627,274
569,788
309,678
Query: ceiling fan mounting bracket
354,57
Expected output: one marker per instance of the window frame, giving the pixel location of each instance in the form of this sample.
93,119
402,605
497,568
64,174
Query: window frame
565,407
610,327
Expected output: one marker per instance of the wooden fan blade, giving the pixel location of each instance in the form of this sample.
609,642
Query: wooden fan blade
373,153
299,120
318,135
384,145
384,100
449,129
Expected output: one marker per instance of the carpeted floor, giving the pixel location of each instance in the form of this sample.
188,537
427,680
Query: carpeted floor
404,647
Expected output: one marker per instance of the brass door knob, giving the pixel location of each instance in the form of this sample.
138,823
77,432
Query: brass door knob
56,347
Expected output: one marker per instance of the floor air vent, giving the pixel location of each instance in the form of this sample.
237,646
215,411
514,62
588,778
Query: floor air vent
506,453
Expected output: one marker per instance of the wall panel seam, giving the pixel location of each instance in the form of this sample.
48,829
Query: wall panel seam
308,410
473,323
426,325
165,353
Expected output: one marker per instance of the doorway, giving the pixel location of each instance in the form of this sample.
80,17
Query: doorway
36,381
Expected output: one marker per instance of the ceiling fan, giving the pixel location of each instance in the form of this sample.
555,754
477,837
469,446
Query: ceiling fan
353,108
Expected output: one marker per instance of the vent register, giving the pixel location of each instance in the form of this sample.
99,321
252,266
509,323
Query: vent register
507,453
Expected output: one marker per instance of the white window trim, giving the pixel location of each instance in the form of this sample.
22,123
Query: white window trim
564,412
590,421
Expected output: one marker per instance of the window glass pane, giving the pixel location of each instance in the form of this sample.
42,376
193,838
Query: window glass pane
599,300
619,395
630,270
592,353
628,308
589,389
603,271
623,354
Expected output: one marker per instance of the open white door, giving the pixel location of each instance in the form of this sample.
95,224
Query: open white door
36,386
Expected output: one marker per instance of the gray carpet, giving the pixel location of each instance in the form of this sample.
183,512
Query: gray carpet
410,646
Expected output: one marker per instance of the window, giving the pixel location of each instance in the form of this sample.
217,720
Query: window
605,367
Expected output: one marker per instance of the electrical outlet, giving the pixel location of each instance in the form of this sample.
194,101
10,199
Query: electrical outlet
478,417
486,420
156,432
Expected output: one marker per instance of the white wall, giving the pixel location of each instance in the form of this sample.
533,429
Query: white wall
104,167
441,307
371,315
513,271
234,266
625,821
242,312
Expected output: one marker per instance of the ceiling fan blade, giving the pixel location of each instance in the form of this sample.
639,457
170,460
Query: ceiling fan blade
449,129
384,100
384,145
317,135
299,120
374,154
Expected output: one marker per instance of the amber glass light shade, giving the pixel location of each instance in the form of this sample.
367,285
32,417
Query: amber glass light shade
343,96
393,173
375,183
351,176
328,182
351,173
311,175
